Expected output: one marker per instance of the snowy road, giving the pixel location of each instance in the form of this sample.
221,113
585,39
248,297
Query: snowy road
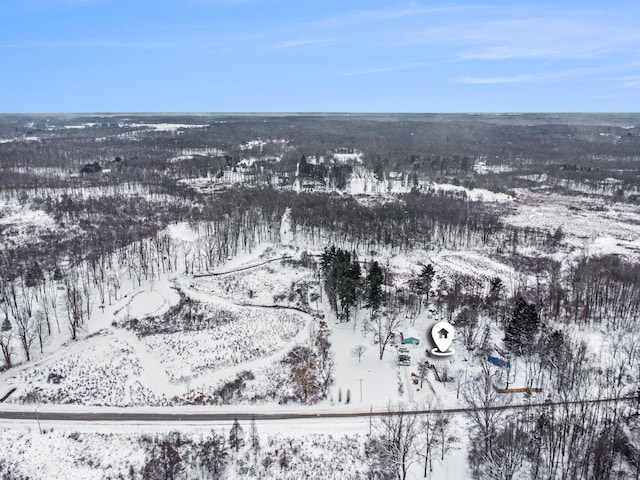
34,413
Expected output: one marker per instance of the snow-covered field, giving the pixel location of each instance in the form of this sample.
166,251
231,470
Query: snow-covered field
24,138
164,127
265,285
260,143
20,224
364,182
105,371
68,454
189,153
116,367
248,334
591,225
113,366
120,365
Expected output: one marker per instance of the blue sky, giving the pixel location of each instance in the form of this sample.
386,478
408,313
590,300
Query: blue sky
329,56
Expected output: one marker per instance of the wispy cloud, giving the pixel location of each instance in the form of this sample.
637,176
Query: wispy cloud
216,3
384,69
575,74
381,15
607,96
73,3
37,4
517,34
306,42
499,80
89,44
632,82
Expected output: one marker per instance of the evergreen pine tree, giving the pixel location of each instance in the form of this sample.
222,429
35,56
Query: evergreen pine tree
425,279
322,342
349,286
522,328
236,436
33,276
6,324
254,438
495,288
374,286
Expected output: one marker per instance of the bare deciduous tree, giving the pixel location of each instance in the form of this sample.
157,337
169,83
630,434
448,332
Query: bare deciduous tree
5,341
213,455
73,303
507,455
383,325
392,449
480,397
50,297
304,377
165,462
358,351
26,332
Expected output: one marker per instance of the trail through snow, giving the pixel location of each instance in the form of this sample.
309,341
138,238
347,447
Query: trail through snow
227,372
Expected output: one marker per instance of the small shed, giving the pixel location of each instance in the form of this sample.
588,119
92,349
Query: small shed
411,341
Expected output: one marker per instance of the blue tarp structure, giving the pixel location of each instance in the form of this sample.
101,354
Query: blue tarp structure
499,362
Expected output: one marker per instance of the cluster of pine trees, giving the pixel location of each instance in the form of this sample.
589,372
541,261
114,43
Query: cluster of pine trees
342,273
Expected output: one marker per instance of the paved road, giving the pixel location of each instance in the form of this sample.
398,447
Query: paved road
133,417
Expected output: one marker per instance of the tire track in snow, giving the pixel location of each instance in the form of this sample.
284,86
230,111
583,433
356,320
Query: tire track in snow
241,269
224,373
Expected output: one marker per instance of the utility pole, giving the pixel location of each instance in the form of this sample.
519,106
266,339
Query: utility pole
361,380
38,419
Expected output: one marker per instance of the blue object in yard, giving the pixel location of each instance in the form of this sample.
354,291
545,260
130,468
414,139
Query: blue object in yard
411,341
499,362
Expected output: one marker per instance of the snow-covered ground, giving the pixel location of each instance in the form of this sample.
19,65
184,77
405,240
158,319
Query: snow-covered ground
24,138
189,153
111,365
361,183
20,224
250,334
165,127
364,182
260,143
63,453
482,168
266,285
591,225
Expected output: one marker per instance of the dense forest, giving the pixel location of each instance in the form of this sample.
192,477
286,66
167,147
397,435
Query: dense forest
100,194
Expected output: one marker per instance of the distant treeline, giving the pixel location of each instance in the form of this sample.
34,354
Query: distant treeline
585,148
